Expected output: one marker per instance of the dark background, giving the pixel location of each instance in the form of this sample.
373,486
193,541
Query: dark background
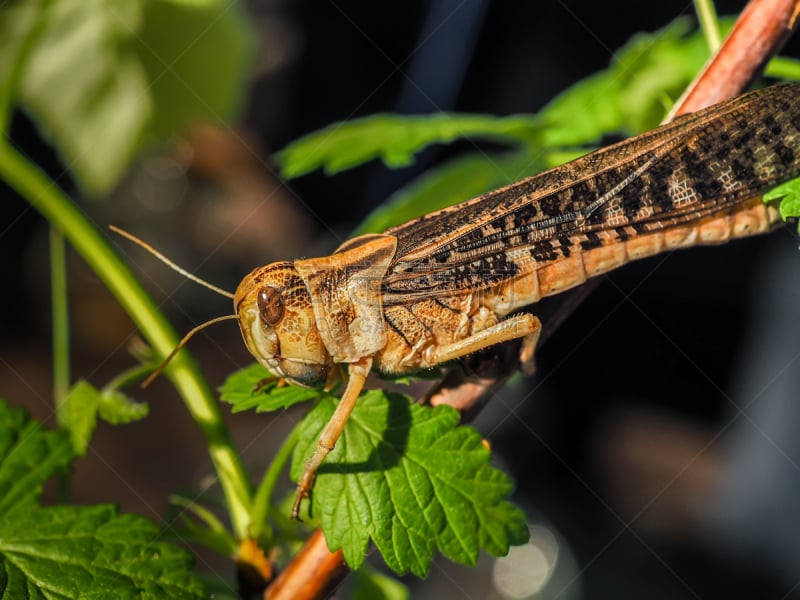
625,441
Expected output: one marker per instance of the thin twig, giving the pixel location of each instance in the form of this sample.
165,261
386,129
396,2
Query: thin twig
758,34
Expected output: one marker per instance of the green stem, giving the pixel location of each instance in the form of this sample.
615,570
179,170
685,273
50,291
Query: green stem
214,535
709,23
60,315
62,213
259,525
128,377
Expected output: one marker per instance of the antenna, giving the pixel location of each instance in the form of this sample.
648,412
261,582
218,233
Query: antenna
180,345
188,275
169,263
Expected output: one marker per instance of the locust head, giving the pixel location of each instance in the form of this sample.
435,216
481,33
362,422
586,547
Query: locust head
278,326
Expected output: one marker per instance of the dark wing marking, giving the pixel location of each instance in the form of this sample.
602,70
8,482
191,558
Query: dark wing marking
688,169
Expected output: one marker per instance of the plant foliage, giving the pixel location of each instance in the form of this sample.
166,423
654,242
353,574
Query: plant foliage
405,477
74,551
126,73
402,475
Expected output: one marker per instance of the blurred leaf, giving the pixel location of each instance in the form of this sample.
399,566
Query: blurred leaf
85,402
782,67
108,76
80,414
455,181
29,456
630,96
411,479
196,56
90,552
245,390
634,93
220,542
118,409
190,517
218,587
395,139
369,584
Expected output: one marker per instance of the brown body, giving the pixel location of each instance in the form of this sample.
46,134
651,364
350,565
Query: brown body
451,282
695,181
422,325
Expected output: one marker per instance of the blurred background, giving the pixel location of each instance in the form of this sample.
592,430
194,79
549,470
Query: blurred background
654,449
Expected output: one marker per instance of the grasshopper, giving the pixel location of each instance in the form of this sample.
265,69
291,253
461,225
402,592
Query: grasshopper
457,280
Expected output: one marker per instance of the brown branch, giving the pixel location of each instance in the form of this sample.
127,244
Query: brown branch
758,34
313,573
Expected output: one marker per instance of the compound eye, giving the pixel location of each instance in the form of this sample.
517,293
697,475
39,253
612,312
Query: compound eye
270,305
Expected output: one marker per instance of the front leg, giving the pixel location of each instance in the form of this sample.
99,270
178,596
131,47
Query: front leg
357,375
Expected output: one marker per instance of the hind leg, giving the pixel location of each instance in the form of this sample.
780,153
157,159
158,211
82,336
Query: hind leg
519,326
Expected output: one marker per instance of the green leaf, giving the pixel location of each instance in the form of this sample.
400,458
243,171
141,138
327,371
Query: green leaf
85,402
789,195
634,93
630,96
196,55
395,139
246,389
80,414
118,409
782,67
409,478
28,457
92,553
369,584
457,180
109,76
